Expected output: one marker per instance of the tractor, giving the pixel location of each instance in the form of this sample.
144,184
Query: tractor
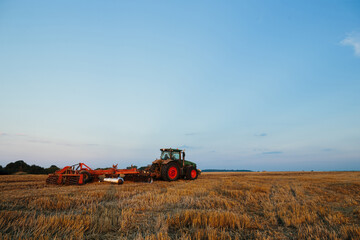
172,165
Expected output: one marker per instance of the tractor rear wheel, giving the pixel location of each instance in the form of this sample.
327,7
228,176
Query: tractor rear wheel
191,173
170,172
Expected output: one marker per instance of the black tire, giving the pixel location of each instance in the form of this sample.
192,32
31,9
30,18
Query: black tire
121,181
149,180
86,176
170,172
191,173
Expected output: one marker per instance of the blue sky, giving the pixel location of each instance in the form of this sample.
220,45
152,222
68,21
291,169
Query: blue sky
260,85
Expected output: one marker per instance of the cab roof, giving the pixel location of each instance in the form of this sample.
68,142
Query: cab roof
170,150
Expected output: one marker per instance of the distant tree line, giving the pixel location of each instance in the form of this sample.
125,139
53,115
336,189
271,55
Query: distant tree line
21,166
225,170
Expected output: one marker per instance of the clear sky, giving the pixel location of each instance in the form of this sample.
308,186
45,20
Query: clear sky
260,85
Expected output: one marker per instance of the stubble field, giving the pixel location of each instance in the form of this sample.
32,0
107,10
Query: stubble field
287,205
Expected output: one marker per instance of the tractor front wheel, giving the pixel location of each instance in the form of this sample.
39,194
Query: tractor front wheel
191,173
170,172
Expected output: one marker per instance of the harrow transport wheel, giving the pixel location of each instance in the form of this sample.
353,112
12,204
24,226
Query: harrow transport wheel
170,172
86,176
191,173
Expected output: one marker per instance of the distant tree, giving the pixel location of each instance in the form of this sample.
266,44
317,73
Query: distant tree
51,169
132,166
225,170
34,169
21,166
2,171
18,166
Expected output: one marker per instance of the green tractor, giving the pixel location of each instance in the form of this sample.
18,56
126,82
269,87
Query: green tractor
172,166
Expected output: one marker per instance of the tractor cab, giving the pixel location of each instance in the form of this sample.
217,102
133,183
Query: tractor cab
174,154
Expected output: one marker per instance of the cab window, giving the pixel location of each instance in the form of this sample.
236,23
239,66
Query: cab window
165,155
176,155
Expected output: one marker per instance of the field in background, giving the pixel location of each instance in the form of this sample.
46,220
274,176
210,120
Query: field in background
300,205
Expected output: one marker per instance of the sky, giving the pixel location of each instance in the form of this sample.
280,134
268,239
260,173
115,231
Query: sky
259,85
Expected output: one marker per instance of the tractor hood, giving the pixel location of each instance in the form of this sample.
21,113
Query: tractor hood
160,161
190,163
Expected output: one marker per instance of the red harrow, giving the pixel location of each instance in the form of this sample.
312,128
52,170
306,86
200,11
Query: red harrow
79,174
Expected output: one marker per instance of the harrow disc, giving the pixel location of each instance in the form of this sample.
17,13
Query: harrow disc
72,180
52,179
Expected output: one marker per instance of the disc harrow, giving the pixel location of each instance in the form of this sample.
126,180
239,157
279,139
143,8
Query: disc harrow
79,174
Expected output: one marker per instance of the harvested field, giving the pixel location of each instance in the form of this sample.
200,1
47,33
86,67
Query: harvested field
286,205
